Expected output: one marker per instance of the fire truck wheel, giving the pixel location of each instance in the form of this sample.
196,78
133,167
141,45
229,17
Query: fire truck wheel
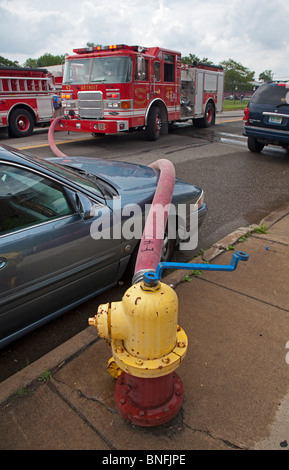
154,124
208,119
21,123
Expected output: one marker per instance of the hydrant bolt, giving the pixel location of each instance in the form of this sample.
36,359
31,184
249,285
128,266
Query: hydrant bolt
166,360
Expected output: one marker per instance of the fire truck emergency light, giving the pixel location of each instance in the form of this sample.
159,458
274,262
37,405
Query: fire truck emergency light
110,47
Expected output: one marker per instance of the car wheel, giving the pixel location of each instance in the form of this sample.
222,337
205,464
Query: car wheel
167,251
167,248
254,145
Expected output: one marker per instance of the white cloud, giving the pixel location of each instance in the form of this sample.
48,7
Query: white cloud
251,32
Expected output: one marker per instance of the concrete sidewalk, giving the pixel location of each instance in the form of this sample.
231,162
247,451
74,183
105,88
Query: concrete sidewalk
235,374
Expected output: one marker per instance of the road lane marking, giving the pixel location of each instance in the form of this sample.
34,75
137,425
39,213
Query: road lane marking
231,120
56,143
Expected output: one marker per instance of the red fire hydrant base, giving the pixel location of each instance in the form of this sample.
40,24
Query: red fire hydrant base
149,401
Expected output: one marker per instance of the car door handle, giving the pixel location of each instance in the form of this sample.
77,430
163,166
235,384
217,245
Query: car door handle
3,262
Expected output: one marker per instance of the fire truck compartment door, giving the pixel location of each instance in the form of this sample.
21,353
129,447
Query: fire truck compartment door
199,92
220,92
45,107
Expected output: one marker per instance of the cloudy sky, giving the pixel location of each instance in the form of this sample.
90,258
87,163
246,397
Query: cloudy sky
252,32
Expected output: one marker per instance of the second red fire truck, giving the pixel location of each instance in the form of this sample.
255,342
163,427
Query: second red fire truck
26,99
111,89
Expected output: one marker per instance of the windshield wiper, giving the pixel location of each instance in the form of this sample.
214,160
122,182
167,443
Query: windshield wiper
96,180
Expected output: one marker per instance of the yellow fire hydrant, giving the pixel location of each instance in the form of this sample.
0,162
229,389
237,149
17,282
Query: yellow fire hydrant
148,345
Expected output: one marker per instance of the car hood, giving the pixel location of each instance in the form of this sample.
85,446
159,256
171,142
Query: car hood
122,175
128,178
131,181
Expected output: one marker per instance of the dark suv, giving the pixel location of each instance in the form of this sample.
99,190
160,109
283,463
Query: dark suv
267,117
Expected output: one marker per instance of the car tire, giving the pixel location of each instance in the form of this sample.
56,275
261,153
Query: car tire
167,252
254,145
167,248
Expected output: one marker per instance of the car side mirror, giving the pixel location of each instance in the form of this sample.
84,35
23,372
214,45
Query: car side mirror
85,206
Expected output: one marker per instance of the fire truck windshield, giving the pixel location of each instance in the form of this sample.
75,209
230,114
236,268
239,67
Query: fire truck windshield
98,70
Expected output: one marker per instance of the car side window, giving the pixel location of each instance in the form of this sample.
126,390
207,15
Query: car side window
28,198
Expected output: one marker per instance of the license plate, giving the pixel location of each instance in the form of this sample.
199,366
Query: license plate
275,119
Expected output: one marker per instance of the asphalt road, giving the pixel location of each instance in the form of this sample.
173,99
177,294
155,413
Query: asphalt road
240,189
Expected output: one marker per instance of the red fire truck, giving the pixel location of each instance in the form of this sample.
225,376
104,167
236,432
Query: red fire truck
26,99
109,89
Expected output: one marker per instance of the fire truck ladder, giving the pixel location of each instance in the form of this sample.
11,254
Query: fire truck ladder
23,84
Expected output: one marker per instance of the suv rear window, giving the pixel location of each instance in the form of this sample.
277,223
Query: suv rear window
275,94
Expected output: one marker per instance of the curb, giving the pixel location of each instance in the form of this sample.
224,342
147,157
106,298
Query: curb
275,216
52,360
221,246
215,250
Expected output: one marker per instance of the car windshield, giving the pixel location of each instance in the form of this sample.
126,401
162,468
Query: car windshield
275,94
84,180
98,70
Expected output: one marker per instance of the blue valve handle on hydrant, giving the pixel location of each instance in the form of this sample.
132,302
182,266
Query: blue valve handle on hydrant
151,278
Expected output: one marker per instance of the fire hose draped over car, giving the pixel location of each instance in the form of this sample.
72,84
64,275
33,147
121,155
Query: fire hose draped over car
148,345
147,342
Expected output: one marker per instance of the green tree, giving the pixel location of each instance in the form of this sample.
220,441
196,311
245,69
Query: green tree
49,59
267,76
8,63
237,77
191,58
31,63
45,60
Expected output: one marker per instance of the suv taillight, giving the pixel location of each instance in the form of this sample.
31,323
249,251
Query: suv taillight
246,115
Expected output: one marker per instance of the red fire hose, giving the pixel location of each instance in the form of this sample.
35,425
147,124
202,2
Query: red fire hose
152,401
151,244
53,147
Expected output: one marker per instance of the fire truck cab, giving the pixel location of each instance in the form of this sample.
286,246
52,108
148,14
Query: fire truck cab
110,89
